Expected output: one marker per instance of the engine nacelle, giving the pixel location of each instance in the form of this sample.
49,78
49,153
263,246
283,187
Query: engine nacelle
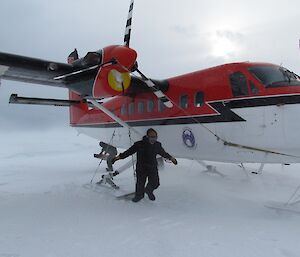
115,79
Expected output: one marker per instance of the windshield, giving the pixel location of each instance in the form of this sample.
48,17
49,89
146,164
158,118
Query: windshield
272,76
90,59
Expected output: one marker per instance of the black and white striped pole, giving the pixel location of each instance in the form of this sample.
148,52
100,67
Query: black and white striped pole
159,94
128,25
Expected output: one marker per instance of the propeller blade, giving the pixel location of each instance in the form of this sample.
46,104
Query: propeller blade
128,25
159,94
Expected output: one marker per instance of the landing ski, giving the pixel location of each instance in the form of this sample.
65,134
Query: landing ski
126,196
118,193
279,207
97,188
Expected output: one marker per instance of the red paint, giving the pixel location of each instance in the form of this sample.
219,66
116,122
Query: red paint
126,58
213,82
77,112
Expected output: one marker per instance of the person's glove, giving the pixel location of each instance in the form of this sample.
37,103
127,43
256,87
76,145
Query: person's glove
113,160
174,160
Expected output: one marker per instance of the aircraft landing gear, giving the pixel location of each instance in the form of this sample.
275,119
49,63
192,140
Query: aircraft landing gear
108,179
260,169
292,205
210,169
256,172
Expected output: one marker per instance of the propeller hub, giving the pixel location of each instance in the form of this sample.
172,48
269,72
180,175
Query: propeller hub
125,56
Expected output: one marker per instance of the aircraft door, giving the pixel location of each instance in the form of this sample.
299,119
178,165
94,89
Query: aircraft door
255,117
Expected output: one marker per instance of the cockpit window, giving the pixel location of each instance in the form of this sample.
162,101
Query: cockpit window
272,76
90,59
239,84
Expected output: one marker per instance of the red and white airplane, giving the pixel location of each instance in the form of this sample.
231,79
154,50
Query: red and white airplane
237,112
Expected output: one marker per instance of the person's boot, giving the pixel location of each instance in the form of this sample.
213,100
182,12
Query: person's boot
150,195
137,198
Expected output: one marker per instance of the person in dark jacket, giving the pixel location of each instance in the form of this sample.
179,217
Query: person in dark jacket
146,166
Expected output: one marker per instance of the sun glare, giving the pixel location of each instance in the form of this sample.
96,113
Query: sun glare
222,46
225,38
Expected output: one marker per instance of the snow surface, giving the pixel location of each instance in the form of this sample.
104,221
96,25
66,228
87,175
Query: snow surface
46,211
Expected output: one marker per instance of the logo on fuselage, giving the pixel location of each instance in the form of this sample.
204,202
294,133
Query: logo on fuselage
119,81
188,138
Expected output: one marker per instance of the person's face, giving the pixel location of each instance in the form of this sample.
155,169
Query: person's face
152,136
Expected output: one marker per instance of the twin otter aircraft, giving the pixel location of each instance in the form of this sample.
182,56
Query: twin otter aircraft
237,112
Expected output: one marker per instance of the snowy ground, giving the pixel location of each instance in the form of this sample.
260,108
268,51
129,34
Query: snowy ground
45,210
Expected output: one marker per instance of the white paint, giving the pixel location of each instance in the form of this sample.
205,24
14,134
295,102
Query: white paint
159,94
3,69
272,128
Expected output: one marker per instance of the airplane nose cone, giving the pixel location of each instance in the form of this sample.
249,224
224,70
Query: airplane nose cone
125,56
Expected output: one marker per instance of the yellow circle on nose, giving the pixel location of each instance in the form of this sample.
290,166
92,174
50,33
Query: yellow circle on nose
119,81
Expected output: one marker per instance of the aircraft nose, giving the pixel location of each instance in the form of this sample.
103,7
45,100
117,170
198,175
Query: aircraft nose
125,56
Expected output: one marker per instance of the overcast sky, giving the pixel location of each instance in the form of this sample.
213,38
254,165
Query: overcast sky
171,38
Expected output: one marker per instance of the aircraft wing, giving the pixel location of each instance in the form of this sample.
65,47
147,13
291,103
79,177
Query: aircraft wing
33,70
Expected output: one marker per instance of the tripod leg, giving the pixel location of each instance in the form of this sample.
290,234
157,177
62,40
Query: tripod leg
111,183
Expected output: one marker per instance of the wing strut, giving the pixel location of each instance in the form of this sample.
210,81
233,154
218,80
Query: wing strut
113,116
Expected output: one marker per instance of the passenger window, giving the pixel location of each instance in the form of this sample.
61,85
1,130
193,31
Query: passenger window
161,106
184,101
253,88
131,108
123,109
199,99
140,107
239,84
150,106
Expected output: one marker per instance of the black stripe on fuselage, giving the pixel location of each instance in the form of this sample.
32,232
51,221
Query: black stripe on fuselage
262,101
222,107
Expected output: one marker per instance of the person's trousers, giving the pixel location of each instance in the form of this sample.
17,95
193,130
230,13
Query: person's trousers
141,177
109,162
